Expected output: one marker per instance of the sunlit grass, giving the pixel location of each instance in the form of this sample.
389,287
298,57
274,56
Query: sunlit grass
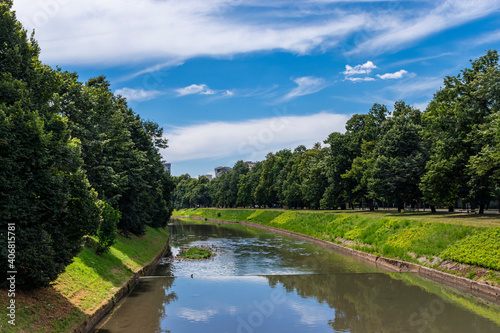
90,281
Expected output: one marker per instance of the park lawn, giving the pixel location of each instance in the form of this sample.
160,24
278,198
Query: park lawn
89,282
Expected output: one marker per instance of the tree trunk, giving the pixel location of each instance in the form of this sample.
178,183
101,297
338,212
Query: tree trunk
433,208
481,208
343,206
400,207
451,209
370,204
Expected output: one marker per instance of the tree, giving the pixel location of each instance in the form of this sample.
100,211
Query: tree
107,230
265,193
362,141
121,152
180,195
399,158
338,160
44,192
247,185
452,118
313,176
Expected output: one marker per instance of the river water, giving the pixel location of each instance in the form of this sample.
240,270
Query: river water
263,282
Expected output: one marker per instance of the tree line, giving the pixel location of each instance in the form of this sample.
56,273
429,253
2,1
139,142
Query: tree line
75,160
447,155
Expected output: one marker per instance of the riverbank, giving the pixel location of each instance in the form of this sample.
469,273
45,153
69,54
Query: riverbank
466,251
88,287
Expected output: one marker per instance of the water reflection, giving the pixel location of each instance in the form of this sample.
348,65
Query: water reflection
373,302
144,309
310,290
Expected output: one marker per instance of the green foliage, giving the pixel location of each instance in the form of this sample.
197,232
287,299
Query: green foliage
44,191
107,230
399,158
454,127
63,147
196,253
482,248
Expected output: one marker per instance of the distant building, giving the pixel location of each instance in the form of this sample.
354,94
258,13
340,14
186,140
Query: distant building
168,167
250,164
220,170
208,176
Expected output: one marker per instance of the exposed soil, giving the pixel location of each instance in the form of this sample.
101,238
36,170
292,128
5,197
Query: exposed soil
472,272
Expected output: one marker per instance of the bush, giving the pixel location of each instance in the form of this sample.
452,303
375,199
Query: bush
107,230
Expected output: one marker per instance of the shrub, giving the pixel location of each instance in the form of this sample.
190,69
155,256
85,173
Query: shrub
107,230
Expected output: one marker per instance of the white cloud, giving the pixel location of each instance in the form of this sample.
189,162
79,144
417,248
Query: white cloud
137,94
426,85
397,75
197,315
306,85
359,79
174,62
398,28
117,31
490,37
312,316
198,89
365,68
251,139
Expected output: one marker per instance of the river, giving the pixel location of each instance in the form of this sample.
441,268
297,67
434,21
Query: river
263,282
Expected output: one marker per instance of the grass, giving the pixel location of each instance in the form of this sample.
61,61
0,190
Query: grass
417,237
196,253
458,218
90,281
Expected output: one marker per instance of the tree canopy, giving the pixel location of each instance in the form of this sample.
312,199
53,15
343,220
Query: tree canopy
75,161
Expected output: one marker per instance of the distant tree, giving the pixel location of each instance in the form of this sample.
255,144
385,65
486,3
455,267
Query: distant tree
399,158
247,185
362,141
313,176
265,193
338,160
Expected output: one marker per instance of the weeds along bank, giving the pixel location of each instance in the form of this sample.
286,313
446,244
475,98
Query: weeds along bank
469,251
88,283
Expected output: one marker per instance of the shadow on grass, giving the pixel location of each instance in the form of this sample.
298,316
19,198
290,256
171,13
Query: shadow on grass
42,310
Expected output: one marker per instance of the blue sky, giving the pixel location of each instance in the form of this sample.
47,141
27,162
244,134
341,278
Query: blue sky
236,79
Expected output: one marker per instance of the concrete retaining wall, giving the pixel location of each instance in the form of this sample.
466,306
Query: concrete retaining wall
91,322
460,283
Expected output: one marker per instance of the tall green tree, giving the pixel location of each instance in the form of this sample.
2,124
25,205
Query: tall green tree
362,141
399,158
247,185
457,112
338,161
44,192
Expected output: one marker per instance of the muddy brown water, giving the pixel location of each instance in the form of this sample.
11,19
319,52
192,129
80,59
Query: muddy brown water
263,282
